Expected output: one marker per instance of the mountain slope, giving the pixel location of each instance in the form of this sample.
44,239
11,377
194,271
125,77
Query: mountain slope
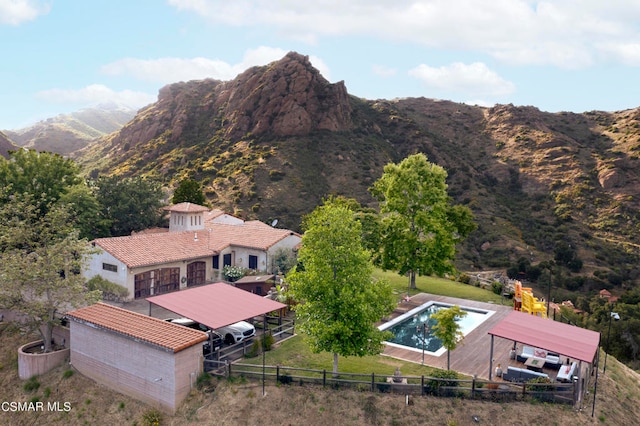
6,145
67,133
277,139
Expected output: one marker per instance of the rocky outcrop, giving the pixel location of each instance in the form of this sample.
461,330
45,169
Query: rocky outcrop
289,97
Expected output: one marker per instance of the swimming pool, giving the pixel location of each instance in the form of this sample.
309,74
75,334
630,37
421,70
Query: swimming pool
408,327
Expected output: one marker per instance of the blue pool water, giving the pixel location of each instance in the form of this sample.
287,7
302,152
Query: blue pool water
408,328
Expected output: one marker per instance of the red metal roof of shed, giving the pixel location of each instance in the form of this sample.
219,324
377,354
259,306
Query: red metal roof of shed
564,339
216,305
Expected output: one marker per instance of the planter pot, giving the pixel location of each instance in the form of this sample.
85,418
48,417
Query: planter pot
33,363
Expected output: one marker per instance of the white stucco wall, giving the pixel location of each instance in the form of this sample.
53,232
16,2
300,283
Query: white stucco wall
94,268
186,222
126,276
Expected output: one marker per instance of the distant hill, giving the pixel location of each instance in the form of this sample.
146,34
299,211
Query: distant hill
278,138
66,133
6,145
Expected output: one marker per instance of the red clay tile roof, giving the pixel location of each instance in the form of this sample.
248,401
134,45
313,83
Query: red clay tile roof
155,249
252,234
215,213
186,208
138,326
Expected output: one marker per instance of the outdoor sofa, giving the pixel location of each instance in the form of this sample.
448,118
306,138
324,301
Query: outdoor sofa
515,374
551,360
566,372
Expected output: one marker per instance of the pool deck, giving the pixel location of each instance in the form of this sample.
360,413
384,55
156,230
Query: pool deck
472,354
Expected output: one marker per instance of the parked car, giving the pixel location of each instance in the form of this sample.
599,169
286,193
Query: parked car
236,333
214,337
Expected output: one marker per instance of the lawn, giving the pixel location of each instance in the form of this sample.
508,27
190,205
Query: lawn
439,286
295,353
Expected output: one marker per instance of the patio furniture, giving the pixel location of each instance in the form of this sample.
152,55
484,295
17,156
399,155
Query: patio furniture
535,363
552,360
514,374
566,372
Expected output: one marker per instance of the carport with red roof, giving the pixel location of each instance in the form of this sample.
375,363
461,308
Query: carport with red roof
215,305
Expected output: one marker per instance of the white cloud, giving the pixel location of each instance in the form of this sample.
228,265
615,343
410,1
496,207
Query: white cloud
384,71
628,54
474,79
96,93
15,12
171,70
564,33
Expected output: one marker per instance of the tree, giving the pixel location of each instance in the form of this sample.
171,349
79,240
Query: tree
339,300
86,212
447,329
41,258
420,227
45,176
189,191
49,179
129,204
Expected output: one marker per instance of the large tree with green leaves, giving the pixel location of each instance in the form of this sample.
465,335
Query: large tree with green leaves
129,204
189,191
43,175
420,226
447,329
41,258
339,300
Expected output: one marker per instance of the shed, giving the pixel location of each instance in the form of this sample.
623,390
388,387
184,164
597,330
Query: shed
146,358
257,284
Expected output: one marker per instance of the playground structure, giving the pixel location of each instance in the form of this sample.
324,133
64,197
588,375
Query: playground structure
525,301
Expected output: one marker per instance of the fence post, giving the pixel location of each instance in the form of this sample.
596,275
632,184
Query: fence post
228,368
373,382
422,386
473,386
324,378
277,374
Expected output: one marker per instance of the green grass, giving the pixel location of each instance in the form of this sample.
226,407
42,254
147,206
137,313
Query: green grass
438,286
294,352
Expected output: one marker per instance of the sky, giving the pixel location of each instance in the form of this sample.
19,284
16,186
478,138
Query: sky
59,56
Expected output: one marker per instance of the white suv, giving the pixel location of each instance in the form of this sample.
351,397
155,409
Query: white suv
214,337
237,332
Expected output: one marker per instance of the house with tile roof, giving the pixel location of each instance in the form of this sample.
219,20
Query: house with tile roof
193,251
144,357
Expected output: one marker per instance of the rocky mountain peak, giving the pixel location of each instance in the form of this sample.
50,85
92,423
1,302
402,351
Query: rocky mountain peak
286,98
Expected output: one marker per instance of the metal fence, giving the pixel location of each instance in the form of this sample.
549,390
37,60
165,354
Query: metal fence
564,393
217,362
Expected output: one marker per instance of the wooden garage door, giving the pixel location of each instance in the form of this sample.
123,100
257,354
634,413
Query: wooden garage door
196,273
142,284
167,280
